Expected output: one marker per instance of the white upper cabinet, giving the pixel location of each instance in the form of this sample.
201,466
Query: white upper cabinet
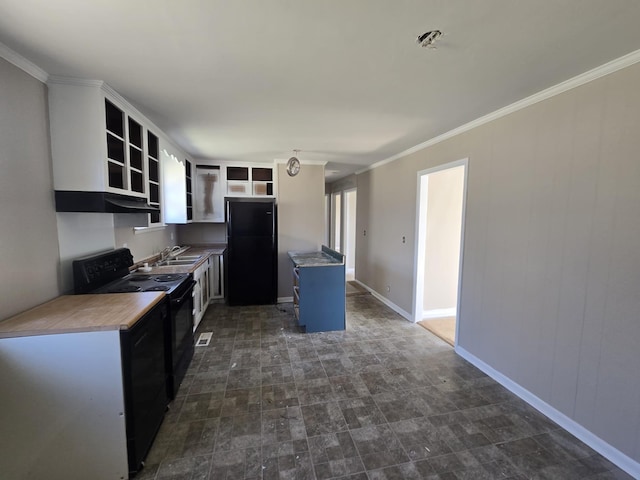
98,141
209,194
176,184
153,169
189,187
212,183
254,181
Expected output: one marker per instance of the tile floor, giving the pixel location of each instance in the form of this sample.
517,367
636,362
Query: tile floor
384,399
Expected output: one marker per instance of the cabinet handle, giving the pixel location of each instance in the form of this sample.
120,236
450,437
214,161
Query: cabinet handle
296,295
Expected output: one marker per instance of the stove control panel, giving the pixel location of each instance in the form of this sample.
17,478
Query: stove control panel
95,271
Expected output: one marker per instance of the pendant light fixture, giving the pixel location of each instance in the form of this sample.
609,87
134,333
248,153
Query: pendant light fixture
293,165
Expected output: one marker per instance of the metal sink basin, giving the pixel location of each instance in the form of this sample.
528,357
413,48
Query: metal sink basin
176,262
188,257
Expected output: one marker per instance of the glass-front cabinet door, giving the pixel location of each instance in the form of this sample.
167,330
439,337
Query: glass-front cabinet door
125,151
153,164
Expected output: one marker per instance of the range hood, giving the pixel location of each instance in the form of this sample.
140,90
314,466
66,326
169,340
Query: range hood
103,202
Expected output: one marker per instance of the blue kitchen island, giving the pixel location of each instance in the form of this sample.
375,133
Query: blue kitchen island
319,290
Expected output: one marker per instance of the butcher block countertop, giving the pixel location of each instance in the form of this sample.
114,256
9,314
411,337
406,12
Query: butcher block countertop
81,313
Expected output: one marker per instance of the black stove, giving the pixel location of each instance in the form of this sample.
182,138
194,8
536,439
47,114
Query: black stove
108,272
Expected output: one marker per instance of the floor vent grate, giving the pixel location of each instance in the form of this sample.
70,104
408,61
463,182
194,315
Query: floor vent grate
204,339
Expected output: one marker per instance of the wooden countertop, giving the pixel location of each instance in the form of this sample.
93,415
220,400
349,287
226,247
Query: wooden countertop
81,313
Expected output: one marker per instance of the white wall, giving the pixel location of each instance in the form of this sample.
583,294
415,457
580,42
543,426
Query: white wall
551,266
29,240
442,242
349,228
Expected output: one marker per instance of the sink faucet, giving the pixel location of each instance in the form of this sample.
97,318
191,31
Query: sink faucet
165,253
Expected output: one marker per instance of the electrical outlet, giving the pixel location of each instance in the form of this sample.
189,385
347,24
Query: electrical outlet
124,245
171,236
404,240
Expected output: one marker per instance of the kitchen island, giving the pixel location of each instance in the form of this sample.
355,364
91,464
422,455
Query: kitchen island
65,370
319,289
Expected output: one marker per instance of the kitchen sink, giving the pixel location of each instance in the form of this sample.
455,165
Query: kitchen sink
176,262
188,257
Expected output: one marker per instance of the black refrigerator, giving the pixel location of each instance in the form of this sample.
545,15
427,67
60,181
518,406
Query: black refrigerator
252,251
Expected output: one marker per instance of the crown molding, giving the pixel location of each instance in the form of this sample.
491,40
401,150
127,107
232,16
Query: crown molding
23,64
589,76
75,81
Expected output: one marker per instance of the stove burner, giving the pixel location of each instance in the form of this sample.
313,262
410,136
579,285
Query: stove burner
139,278
157,288
168,278
124,289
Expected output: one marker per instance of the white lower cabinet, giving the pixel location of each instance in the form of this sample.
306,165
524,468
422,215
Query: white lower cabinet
63,410
209,286
216,279
203,290
197,301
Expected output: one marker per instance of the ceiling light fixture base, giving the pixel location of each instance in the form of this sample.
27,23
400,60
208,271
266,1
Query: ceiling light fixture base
429,39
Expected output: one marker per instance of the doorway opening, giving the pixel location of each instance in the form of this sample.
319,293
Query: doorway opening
336,221
327,219
440,220
350,198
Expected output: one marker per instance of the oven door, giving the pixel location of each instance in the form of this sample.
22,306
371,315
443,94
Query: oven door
181,336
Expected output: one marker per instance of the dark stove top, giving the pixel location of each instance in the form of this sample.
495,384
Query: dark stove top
144,283
108,272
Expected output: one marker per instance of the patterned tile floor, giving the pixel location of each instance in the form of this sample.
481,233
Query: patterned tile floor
384,399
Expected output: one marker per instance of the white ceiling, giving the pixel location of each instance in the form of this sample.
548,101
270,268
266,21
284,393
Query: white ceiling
343,81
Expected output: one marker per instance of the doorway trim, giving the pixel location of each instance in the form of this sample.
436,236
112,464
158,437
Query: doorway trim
420,239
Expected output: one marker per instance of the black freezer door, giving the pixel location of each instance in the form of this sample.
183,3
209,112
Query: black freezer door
252,218
251,252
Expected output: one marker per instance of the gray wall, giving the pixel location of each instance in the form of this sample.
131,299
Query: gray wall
300,218
551,266
202,233
36,244
29,240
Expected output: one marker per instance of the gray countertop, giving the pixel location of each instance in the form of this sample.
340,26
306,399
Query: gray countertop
312,259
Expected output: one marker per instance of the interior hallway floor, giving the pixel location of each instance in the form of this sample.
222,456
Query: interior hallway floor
384,399
444,327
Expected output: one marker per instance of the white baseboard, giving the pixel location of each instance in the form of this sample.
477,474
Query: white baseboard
386,301
284,300
439,313
614,455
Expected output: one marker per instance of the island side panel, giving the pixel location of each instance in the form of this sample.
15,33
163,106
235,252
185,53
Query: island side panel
322,298
62,408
